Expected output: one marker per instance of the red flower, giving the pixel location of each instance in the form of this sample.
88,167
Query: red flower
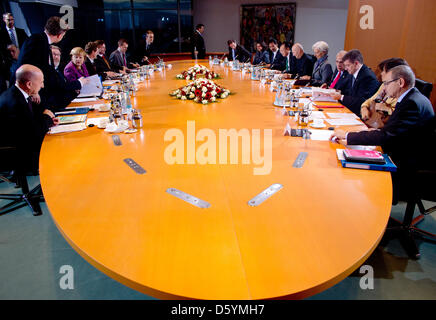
198,92
208,95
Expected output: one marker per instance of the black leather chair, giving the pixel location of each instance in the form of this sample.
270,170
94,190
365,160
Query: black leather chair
31,198
424,87
416,186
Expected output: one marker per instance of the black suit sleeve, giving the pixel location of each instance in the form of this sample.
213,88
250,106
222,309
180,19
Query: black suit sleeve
403,120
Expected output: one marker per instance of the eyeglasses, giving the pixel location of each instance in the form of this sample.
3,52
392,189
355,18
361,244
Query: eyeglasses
385,83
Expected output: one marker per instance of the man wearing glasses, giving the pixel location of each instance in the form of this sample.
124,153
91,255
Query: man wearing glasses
403,137
363,82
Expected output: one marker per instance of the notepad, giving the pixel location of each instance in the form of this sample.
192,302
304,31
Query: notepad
72,119
67,128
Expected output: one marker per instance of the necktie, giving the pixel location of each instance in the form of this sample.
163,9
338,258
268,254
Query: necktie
107,63
124,59
14,41
287,63
233,52
353,80
336,79
29,104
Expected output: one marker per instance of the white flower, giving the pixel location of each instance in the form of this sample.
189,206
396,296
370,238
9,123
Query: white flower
223,95
203,95
197,99
204,89
213,93
191,96
183,98
178,96
188,78
192,88
204,102
213,99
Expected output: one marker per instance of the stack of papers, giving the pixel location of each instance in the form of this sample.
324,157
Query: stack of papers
338,115
67,128
92,88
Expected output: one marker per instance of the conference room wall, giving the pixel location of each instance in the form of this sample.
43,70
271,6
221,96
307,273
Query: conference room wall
402,28
315,20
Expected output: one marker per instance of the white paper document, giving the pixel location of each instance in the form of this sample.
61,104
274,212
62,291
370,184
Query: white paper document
93,88
337,115
344,122
67,128
317,115
79,100
320,135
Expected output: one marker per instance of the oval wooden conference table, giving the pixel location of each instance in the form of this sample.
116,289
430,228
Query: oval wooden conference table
315,231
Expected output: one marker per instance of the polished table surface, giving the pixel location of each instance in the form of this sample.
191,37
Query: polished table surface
320,227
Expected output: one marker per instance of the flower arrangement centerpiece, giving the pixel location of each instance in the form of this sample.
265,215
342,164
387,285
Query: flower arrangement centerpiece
197,71
202,91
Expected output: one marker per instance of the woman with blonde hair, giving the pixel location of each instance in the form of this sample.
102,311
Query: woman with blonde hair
76,68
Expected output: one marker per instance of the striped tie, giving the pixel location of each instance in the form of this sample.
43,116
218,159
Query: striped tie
14,41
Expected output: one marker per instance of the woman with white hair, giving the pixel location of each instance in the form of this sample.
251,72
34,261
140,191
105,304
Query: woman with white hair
322,70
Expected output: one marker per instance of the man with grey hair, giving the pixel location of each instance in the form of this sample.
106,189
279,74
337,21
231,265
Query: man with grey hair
23,123
364,83
403,132
341,79
301,64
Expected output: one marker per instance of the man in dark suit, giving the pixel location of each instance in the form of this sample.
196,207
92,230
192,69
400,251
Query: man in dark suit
118,58
276,58
301,64
23,124
238,52
403,136
72,88
285,51
363,82
402,131
36,51
198,46
341,79
102,62
145,48
11,34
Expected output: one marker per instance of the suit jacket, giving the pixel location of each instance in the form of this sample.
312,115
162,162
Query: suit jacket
92,68
117,62
71,73
260,57
36,51
302,66
344,82
403,136
142,50
198,43
241,54
6,40
365,85
22,128
102,64
322,72
279,62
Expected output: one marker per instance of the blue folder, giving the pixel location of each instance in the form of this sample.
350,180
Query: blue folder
388,166
72,111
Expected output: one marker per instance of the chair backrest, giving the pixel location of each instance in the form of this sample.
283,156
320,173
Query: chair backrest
424,87
8,158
